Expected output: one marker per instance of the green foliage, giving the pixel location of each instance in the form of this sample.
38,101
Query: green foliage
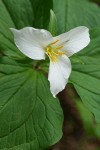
86,71
41,9
53,23
20,12
30,118
87,118
25,110
86,76
72,13
91,127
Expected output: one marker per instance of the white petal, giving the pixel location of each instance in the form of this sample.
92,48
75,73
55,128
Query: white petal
74,40
32,42
58,74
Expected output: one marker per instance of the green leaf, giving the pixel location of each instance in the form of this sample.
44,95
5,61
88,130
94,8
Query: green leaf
86,66
72,13
30,118
19,14
41,10
12,14
53,23
86,76
87,118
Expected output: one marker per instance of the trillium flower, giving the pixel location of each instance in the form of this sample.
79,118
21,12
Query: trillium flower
37,43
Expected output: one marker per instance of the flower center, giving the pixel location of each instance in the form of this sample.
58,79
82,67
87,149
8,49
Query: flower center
54,51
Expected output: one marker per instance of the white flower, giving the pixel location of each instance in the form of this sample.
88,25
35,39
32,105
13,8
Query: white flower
35,43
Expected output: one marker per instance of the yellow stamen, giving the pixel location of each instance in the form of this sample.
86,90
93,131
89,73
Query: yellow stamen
49,54
54,51
47,48
54,42
60,53
59,47
54,58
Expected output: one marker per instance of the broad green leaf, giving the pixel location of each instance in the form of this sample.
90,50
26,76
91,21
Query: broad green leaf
41,12
87,118
86,70
72,13
30,118
86,76
34,13
53,23
19,14
91,127
20,11
13,13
